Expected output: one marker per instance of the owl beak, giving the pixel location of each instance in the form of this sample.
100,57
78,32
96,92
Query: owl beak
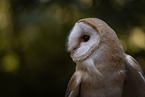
72,51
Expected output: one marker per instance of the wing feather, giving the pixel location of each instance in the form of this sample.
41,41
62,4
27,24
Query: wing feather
74,85
134,83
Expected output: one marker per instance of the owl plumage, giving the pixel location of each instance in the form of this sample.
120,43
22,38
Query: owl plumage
102,67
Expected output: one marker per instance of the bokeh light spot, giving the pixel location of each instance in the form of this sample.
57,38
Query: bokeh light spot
10,63
137,38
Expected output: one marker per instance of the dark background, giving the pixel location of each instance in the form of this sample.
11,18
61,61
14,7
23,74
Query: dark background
33,33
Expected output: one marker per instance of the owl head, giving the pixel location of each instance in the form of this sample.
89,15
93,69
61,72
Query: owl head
92,35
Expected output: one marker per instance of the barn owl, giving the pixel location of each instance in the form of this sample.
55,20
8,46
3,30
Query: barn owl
102,67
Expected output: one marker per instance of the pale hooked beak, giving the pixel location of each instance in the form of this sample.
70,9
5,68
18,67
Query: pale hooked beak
72,51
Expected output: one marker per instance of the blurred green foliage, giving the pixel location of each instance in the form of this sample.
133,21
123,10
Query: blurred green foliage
33,33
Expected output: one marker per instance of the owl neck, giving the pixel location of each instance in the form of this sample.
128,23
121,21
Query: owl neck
109,63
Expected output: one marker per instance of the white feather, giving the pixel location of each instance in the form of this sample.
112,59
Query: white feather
75,43
72,39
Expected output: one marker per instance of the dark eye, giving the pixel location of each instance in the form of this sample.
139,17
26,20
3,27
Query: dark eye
86,38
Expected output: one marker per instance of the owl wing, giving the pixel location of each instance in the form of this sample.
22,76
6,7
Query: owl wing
73,88
134,83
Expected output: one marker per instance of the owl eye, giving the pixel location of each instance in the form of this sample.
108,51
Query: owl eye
86,38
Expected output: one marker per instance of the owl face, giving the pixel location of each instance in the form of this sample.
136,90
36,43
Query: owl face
82,41
93,37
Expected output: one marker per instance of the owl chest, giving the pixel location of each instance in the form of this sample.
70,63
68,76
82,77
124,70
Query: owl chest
100,87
